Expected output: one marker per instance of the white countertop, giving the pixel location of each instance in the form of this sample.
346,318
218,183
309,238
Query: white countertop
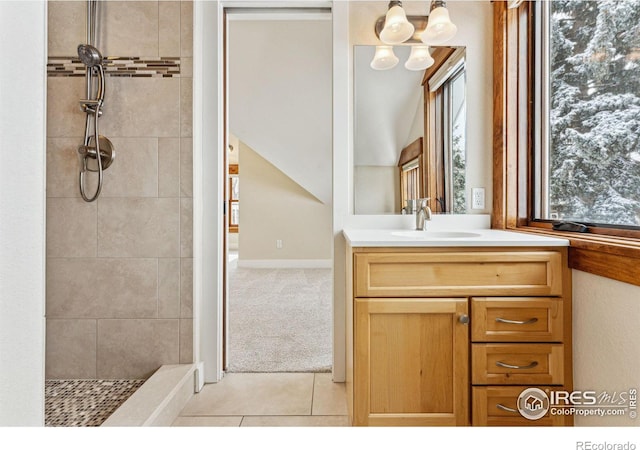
482,238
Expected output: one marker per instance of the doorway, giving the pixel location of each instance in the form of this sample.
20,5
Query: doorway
278,237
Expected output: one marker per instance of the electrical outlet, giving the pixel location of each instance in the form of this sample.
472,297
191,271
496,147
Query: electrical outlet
477,198
278,243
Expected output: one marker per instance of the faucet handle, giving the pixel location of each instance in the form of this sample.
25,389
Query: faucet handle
425,207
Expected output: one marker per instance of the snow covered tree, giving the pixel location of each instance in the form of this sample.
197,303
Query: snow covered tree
594,155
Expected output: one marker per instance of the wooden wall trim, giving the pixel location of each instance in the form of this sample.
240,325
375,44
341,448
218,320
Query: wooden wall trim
616,267
499,113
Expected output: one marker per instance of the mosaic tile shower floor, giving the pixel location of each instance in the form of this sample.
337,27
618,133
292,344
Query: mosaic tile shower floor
85,403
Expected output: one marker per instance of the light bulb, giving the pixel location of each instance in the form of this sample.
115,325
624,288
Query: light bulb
397,28
384,58
419,59
439,28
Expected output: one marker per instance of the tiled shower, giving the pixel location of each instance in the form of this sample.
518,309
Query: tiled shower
119,270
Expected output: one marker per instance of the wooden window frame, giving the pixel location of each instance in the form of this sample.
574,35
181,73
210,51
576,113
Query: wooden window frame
608,252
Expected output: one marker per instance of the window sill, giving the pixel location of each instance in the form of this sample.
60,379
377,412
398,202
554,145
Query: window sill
612,257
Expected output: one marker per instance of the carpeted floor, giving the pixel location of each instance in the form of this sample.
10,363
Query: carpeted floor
279,320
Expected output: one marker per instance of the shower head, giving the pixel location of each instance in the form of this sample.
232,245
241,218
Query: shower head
89,55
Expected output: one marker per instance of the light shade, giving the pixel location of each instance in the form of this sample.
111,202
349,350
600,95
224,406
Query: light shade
384,58
397,28
419,59
439,28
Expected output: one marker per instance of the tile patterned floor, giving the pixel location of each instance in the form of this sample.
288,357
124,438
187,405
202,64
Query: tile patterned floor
268,399
85,403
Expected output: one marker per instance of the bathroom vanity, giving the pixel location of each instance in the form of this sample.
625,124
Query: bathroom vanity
448,328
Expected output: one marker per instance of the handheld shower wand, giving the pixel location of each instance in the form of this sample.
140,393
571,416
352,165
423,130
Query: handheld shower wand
94,147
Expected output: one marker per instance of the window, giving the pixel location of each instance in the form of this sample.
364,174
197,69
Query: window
447,92
566,127
454,146
410,180
587,152
410,165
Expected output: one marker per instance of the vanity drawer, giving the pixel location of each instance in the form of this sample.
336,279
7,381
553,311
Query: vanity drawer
497,406
425,274
516,319
517,364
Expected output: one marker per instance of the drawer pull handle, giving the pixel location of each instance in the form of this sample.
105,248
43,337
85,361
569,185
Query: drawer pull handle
517,322
506,408
510,366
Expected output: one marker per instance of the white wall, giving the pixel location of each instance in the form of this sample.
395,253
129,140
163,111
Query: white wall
372,189
280,94
606,340
23,31
274,207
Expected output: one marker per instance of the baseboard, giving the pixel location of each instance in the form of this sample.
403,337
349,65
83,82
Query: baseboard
285,263
158,401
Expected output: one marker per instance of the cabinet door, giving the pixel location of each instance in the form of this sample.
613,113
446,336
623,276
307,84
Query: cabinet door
412,362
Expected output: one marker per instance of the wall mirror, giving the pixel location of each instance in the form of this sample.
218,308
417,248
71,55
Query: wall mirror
410,133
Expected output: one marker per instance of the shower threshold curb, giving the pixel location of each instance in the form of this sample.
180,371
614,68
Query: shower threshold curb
158,401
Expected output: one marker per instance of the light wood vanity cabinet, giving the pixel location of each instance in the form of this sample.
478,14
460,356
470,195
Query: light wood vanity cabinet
451,336
408,352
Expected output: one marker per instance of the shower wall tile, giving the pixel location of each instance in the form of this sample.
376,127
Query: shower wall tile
134,172
186,341
186,107
129,28
186,288
135,348
169,25
186,67
169,288
186,167
64,116
120,270
71,228
139,227
102,288
62,167
142,107
168,167
186,227
66,27
71,348
186,28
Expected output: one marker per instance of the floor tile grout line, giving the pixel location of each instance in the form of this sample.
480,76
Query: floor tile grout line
313,393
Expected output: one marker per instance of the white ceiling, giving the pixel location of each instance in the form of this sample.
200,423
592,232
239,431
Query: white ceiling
387,106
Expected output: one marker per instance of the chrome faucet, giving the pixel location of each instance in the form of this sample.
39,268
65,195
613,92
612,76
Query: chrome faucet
423,214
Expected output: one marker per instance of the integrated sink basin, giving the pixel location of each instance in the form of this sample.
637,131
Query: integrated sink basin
428,235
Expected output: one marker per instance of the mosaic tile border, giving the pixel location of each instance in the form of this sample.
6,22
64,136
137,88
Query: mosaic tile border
85,403
158,67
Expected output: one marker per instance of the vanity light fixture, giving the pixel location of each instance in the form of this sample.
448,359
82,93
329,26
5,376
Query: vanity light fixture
384,58
439,28
419,59
397,28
